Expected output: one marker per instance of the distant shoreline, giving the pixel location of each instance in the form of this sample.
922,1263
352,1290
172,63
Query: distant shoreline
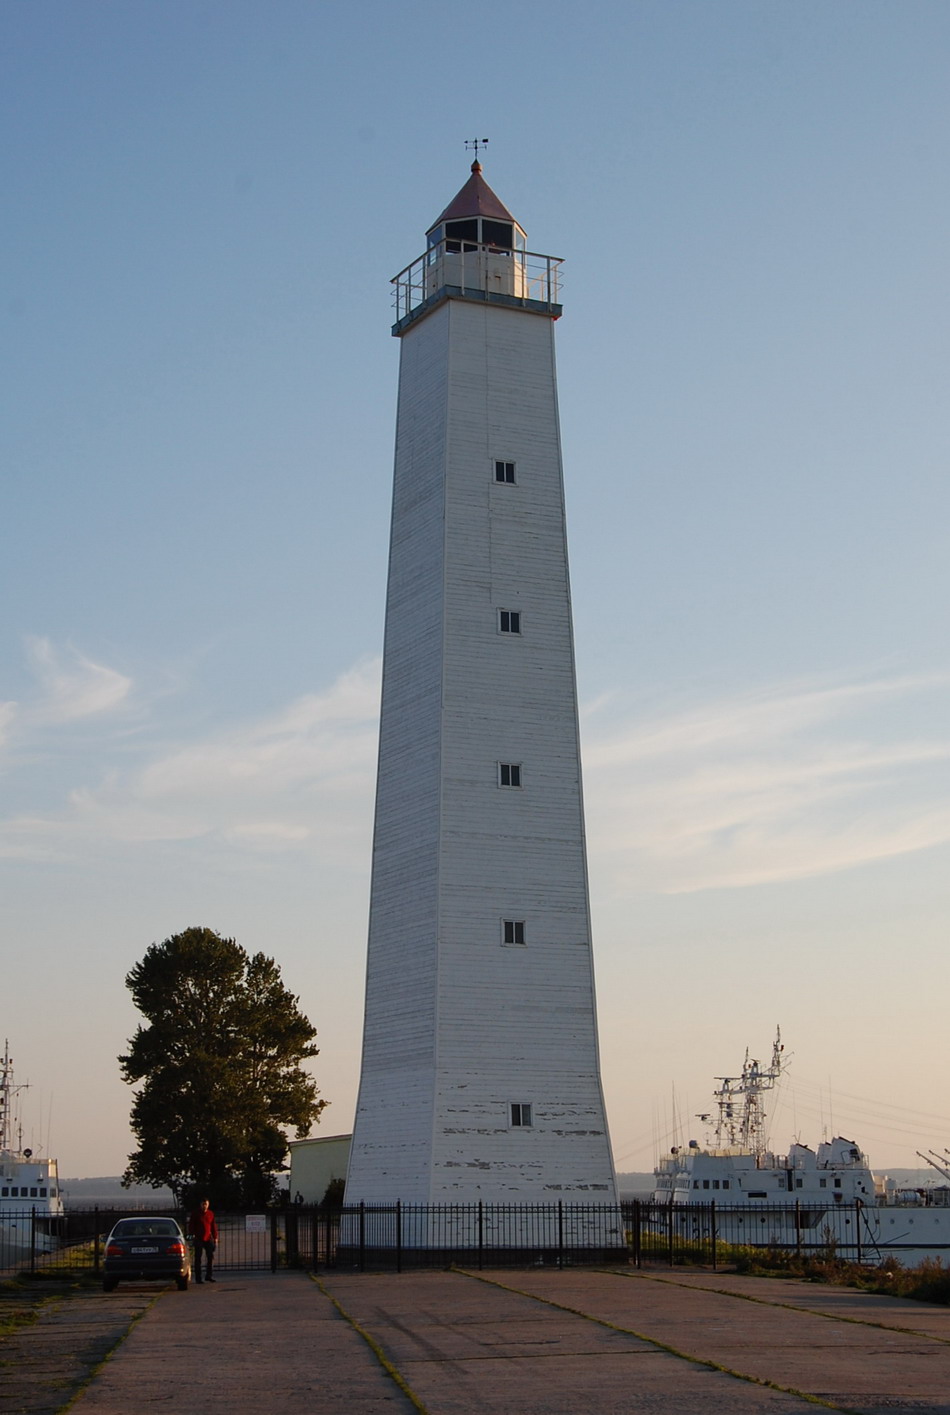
107,1190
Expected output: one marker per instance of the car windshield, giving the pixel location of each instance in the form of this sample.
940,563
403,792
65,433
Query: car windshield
146,1228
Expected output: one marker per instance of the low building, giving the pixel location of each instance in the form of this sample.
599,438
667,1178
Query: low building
314,1163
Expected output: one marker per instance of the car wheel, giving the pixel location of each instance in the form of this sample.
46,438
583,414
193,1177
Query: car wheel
109,1284
182,1284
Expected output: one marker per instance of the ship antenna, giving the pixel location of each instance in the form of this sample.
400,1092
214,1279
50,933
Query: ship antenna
742,1114
7,1092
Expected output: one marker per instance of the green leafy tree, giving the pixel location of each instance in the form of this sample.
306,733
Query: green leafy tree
220,1069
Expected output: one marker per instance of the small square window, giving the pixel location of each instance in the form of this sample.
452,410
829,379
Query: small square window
33,1194
505,472
513,930
42,1193
509,621
520,1113
5,1191
509,773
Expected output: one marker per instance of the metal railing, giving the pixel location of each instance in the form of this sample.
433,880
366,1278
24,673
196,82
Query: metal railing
76,1241
478,272
357,1237
398,1236
711,1233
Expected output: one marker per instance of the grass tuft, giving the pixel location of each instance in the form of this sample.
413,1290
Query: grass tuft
928,1282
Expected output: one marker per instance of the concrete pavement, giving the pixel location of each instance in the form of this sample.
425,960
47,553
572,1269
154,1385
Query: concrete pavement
536,1342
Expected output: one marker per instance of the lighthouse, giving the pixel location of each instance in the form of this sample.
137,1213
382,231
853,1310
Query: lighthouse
480,1074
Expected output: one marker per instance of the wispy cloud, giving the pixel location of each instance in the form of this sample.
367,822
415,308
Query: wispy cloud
789,782
300,777
318,738
7,715
73,685
778,785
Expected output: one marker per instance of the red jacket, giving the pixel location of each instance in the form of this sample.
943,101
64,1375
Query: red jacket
203,1226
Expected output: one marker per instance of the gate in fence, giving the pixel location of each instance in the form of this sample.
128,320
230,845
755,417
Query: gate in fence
399,1236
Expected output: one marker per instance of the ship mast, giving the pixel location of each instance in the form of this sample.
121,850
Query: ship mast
7,1092
741,1120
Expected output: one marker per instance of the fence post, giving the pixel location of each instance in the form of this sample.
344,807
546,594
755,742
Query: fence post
560,1233
291,1237
362,1235
857,1225
712,1229
273,1240
33,1238
95,1242
798,1228
481,1234
637,1232
669,1230
399,1235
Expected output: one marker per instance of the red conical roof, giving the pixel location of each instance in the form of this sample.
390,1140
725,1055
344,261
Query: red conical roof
475,199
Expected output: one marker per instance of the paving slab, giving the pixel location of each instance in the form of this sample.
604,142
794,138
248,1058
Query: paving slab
254,1342
830,1344
465,1345
842,1302
43,1363
538,1342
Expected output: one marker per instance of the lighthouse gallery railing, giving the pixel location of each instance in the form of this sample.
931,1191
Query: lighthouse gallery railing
477,271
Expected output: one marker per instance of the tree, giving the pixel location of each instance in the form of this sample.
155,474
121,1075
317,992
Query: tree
220,1069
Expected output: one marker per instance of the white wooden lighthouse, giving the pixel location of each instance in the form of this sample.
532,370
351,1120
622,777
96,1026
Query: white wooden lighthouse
480,1074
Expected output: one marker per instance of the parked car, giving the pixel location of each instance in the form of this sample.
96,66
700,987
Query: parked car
146,1249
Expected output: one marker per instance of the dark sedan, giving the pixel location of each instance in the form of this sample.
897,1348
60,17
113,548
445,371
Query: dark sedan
146,1250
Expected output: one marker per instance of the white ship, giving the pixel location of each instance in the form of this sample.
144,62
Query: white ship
811,1200
31,1204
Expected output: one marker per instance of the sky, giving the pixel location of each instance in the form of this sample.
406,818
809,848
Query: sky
204,205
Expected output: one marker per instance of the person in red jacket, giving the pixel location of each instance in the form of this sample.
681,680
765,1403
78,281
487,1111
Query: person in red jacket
204,1235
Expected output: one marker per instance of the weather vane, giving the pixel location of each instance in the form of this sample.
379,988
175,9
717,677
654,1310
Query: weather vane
473,144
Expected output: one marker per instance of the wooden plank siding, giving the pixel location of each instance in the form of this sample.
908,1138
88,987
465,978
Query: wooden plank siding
459,1024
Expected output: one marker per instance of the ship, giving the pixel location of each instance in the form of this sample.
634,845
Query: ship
825,1200
31,1202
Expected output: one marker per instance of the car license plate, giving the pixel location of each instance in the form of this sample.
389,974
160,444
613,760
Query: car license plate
144,1250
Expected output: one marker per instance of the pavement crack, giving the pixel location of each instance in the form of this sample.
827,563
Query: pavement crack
374,1346
663,1345
784,1306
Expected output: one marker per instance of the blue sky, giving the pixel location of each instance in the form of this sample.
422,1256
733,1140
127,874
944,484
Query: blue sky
205,203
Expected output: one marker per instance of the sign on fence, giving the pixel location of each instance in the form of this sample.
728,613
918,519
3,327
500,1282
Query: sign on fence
255,1223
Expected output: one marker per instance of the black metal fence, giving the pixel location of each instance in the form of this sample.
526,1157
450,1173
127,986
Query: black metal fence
398,1236
395,1237
710,1234
75,1242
